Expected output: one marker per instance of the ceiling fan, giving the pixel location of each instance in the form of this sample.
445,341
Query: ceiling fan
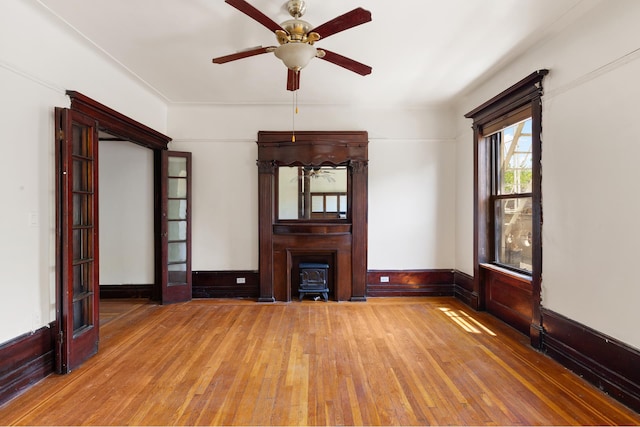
296,39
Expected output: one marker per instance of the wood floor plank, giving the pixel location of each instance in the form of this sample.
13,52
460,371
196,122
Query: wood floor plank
388,361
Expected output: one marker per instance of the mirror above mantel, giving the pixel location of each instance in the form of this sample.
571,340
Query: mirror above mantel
312,193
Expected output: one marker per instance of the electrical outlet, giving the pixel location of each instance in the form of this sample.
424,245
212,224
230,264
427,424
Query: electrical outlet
384,279
240,280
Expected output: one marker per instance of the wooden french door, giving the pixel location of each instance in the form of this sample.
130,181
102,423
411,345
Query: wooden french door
77,239
175,190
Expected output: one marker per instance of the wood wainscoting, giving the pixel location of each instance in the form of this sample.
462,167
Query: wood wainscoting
26,360
126,291
508,296
388,283
464,289
607,363
226,284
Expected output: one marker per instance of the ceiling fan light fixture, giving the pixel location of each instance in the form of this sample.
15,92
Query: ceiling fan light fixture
295,55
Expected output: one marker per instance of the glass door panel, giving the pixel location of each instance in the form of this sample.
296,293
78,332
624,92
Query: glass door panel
77,190
176,235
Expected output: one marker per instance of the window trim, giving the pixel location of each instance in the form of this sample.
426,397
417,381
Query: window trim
488,118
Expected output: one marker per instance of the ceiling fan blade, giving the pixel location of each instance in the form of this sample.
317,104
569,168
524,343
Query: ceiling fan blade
240,55
293,80
343,22
345,62
254,13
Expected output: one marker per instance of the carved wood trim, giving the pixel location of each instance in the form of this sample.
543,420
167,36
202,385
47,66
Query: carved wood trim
267,166
118,124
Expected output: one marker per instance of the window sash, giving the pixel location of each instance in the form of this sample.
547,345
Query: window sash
512,221
513,232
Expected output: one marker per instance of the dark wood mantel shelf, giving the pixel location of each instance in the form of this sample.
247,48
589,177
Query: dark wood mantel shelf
308,228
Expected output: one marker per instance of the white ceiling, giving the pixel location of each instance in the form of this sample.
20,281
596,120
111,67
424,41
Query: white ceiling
422,52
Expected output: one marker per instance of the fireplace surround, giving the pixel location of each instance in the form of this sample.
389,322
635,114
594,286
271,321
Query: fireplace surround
343,241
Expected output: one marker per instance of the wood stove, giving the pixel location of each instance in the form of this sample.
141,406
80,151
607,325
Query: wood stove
313,279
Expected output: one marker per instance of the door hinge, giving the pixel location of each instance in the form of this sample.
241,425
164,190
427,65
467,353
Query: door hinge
60,134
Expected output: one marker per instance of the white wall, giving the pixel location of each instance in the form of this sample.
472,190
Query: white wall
39,60
126,213
589,163
224,203
411,179
411,204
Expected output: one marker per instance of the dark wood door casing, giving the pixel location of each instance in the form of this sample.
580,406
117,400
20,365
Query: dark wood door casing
344,242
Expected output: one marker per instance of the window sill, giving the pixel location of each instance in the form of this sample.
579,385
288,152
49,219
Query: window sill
525,278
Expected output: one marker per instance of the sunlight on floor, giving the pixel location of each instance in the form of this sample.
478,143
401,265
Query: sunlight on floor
466,322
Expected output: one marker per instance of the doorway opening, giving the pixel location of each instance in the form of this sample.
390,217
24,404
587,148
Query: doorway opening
77,221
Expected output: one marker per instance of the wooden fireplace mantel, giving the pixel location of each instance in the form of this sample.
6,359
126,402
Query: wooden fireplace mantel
341,244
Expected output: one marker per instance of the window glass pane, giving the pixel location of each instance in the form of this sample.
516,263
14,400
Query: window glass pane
332,203
177,188
82,209
177,209
82,172
317,203
82,244
177,230
81,314
514,232
177,252
81,278
80,141
177,274
177,166
514,157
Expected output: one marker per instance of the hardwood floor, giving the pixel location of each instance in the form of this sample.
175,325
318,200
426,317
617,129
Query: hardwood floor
111,309
388,361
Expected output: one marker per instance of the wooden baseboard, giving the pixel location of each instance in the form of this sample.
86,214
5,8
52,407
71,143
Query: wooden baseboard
226,284
464,290
26,360
126,291
607,363
388,283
